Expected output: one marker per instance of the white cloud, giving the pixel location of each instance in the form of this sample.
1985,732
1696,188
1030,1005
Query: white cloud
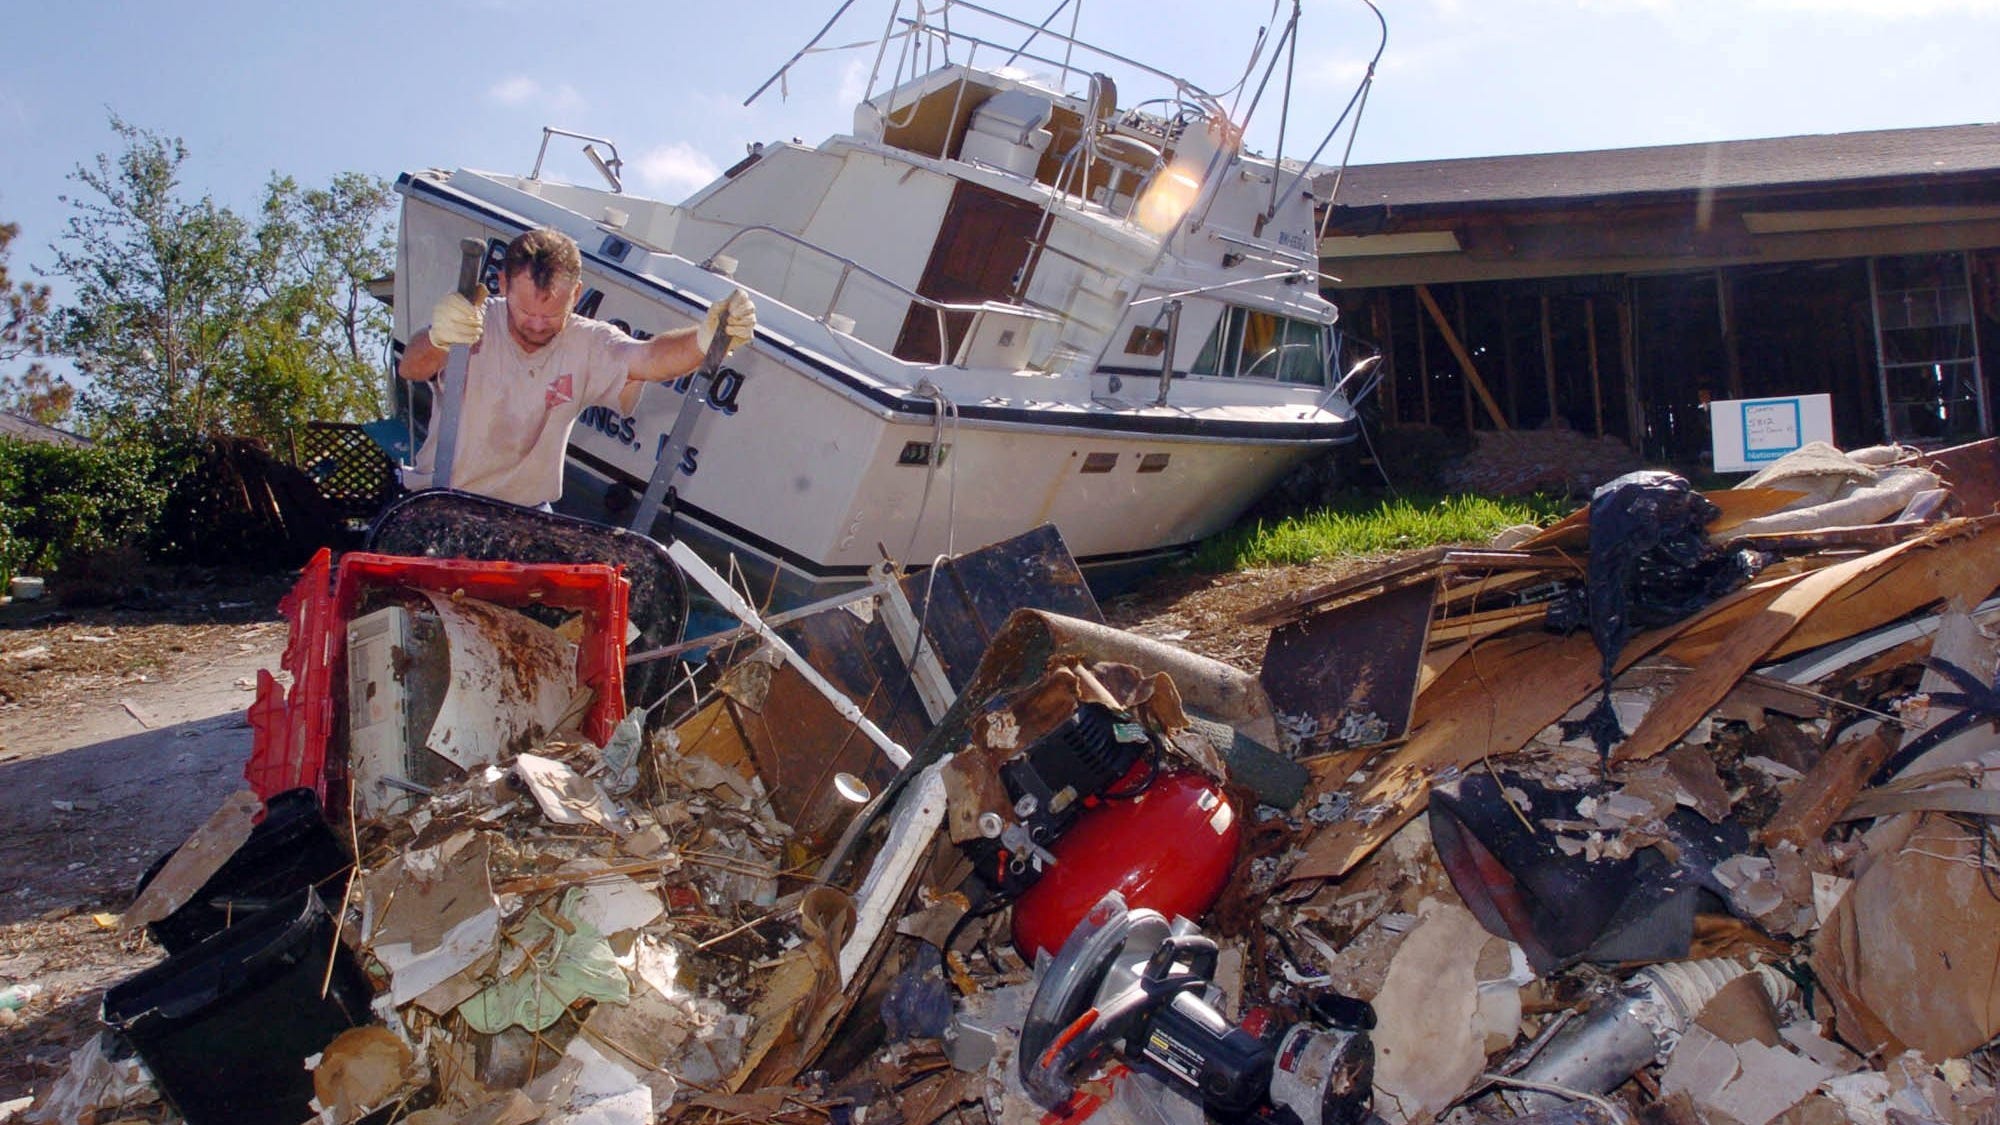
516,90
520,90
677,168
853,82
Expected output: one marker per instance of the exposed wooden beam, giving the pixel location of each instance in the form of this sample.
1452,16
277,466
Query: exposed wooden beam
1596,377
1424,365
1635,411
1464,360
1548,363
1464,385
1732,358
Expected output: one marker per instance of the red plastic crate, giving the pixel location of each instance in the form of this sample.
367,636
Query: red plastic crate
290,729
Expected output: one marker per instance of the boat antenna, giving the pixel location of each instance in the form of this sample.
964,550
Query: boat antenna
1285,105
1250,67
1033,35
1291,30
1356,105
801,53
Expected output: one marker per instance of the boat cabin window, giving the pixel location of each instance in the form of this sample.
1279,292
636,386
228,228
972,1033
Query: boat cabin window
1261,345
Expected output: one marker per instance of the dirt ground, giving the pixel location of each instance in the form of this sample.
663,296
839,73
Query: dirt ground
123,727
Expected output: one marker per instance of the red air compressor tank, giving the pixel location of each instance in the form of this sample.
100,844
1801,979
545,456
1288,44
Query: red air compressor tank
1168,849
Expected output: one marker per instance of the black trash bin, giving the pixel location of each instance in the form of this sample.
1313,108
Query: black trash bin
225,1027
292,847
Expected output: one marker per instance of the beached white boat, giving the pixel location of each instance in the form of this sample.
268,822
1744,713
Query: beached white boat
967,312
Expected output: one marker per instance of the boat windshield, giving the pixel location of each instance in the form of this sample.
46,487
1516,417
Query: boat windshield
1253,344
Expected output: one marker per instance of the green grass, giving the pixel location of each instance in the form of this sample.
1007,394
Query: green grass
1369,526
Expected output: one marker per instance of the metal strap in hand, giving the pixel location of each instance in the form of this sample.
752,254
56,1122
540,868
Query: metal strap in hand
446,405
683,429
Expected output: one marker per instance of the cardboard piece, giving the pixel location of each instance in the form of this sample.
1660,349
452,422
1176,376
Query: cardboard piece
196,861
430,916
1907,957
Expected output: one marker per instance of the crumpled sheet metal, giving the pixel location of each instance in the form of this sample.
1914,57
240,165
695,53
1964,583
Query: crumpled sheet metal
1348,676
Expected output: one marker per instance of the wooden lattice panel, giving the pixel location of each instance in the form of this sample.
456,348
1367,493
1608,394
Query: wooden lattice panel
353,473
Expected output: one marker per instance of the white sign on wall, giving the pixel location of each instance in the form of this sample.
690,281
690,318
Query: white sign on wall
1750,433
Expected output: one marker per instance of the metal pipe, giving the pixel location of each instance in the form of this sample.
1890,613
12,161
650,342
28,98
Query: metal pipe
719,588
1167,357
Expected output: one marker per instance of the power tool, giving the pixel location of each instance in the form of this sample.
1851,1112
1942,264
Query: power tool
1130,985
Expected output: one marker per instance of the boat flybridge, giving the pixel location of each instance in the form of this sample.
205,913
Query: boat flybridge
1011,296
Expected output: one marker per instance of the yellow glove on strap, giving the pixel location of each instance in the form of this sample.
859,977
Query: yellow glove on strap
738,318
455,320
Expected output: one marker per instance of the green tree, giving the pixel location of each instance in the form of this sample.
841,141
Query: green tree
160,289
192,320
311,348
24,312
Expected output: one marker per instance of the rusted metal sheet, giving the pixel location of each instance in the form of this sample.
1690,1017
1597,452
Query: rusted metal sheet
799,740
1348,677
971,596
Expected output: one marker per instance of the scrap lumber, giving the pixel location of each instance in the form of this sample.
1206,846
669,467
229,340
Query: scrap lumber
1746,644
1829,787
1827,605
1489,702
1418,566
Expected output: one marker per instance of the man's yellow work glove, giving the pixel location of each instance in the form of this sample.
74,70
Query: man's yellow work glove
738,318
455,320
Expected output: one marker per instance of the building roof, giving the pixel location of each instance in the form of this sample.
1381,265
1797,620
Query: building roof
1825,160
21,427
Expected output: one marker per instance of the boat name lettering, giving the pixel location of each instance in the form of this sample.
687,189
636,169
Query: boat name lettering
622,325
722,395
690,457
610,423
1295,241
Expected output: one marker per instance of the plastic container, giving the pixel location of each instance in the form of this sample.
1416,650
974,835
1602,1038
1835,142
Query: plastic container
290,849
290,727
225,1027
25,589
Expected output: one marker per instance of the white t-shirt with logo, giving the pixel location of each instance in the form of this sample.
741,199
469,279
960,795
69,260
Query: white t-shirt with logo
519,407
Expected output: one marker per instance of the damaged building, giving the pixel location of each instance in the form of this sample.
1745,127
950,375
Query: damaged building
1614,293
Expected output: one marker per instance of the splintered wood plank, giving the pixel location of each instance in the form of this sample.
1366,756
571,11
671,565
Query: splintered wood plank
1485,623
1412,568
1816,802
1746,644
1488,702
1827,605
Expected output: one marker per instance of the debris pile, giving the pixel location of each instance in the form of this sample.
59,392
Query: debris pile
1679,810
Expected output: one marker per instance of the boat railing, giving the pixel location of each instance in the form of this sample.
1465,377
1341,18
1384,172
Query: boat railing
947,35
979,313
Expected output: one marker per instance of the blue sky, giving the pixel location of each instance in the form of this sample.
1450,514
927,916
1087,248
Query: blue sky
314,89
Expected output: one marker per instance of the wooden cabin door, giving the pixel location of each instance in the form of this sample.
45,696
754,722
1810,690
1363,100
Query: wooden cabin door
982,247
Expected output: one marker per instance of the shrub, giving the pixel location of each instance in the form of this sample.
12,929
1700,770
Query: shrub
57,501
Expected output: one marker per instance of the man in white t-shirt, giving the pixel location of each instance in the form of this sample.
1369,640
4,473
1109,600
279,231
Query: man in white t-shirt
537,365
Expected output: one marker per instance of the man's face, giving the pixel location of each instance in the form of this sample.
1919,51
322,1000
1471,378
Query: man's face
536,316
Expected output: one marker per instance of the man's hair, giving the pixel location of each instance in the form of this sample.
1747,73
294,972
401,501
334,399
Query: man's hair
548,256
